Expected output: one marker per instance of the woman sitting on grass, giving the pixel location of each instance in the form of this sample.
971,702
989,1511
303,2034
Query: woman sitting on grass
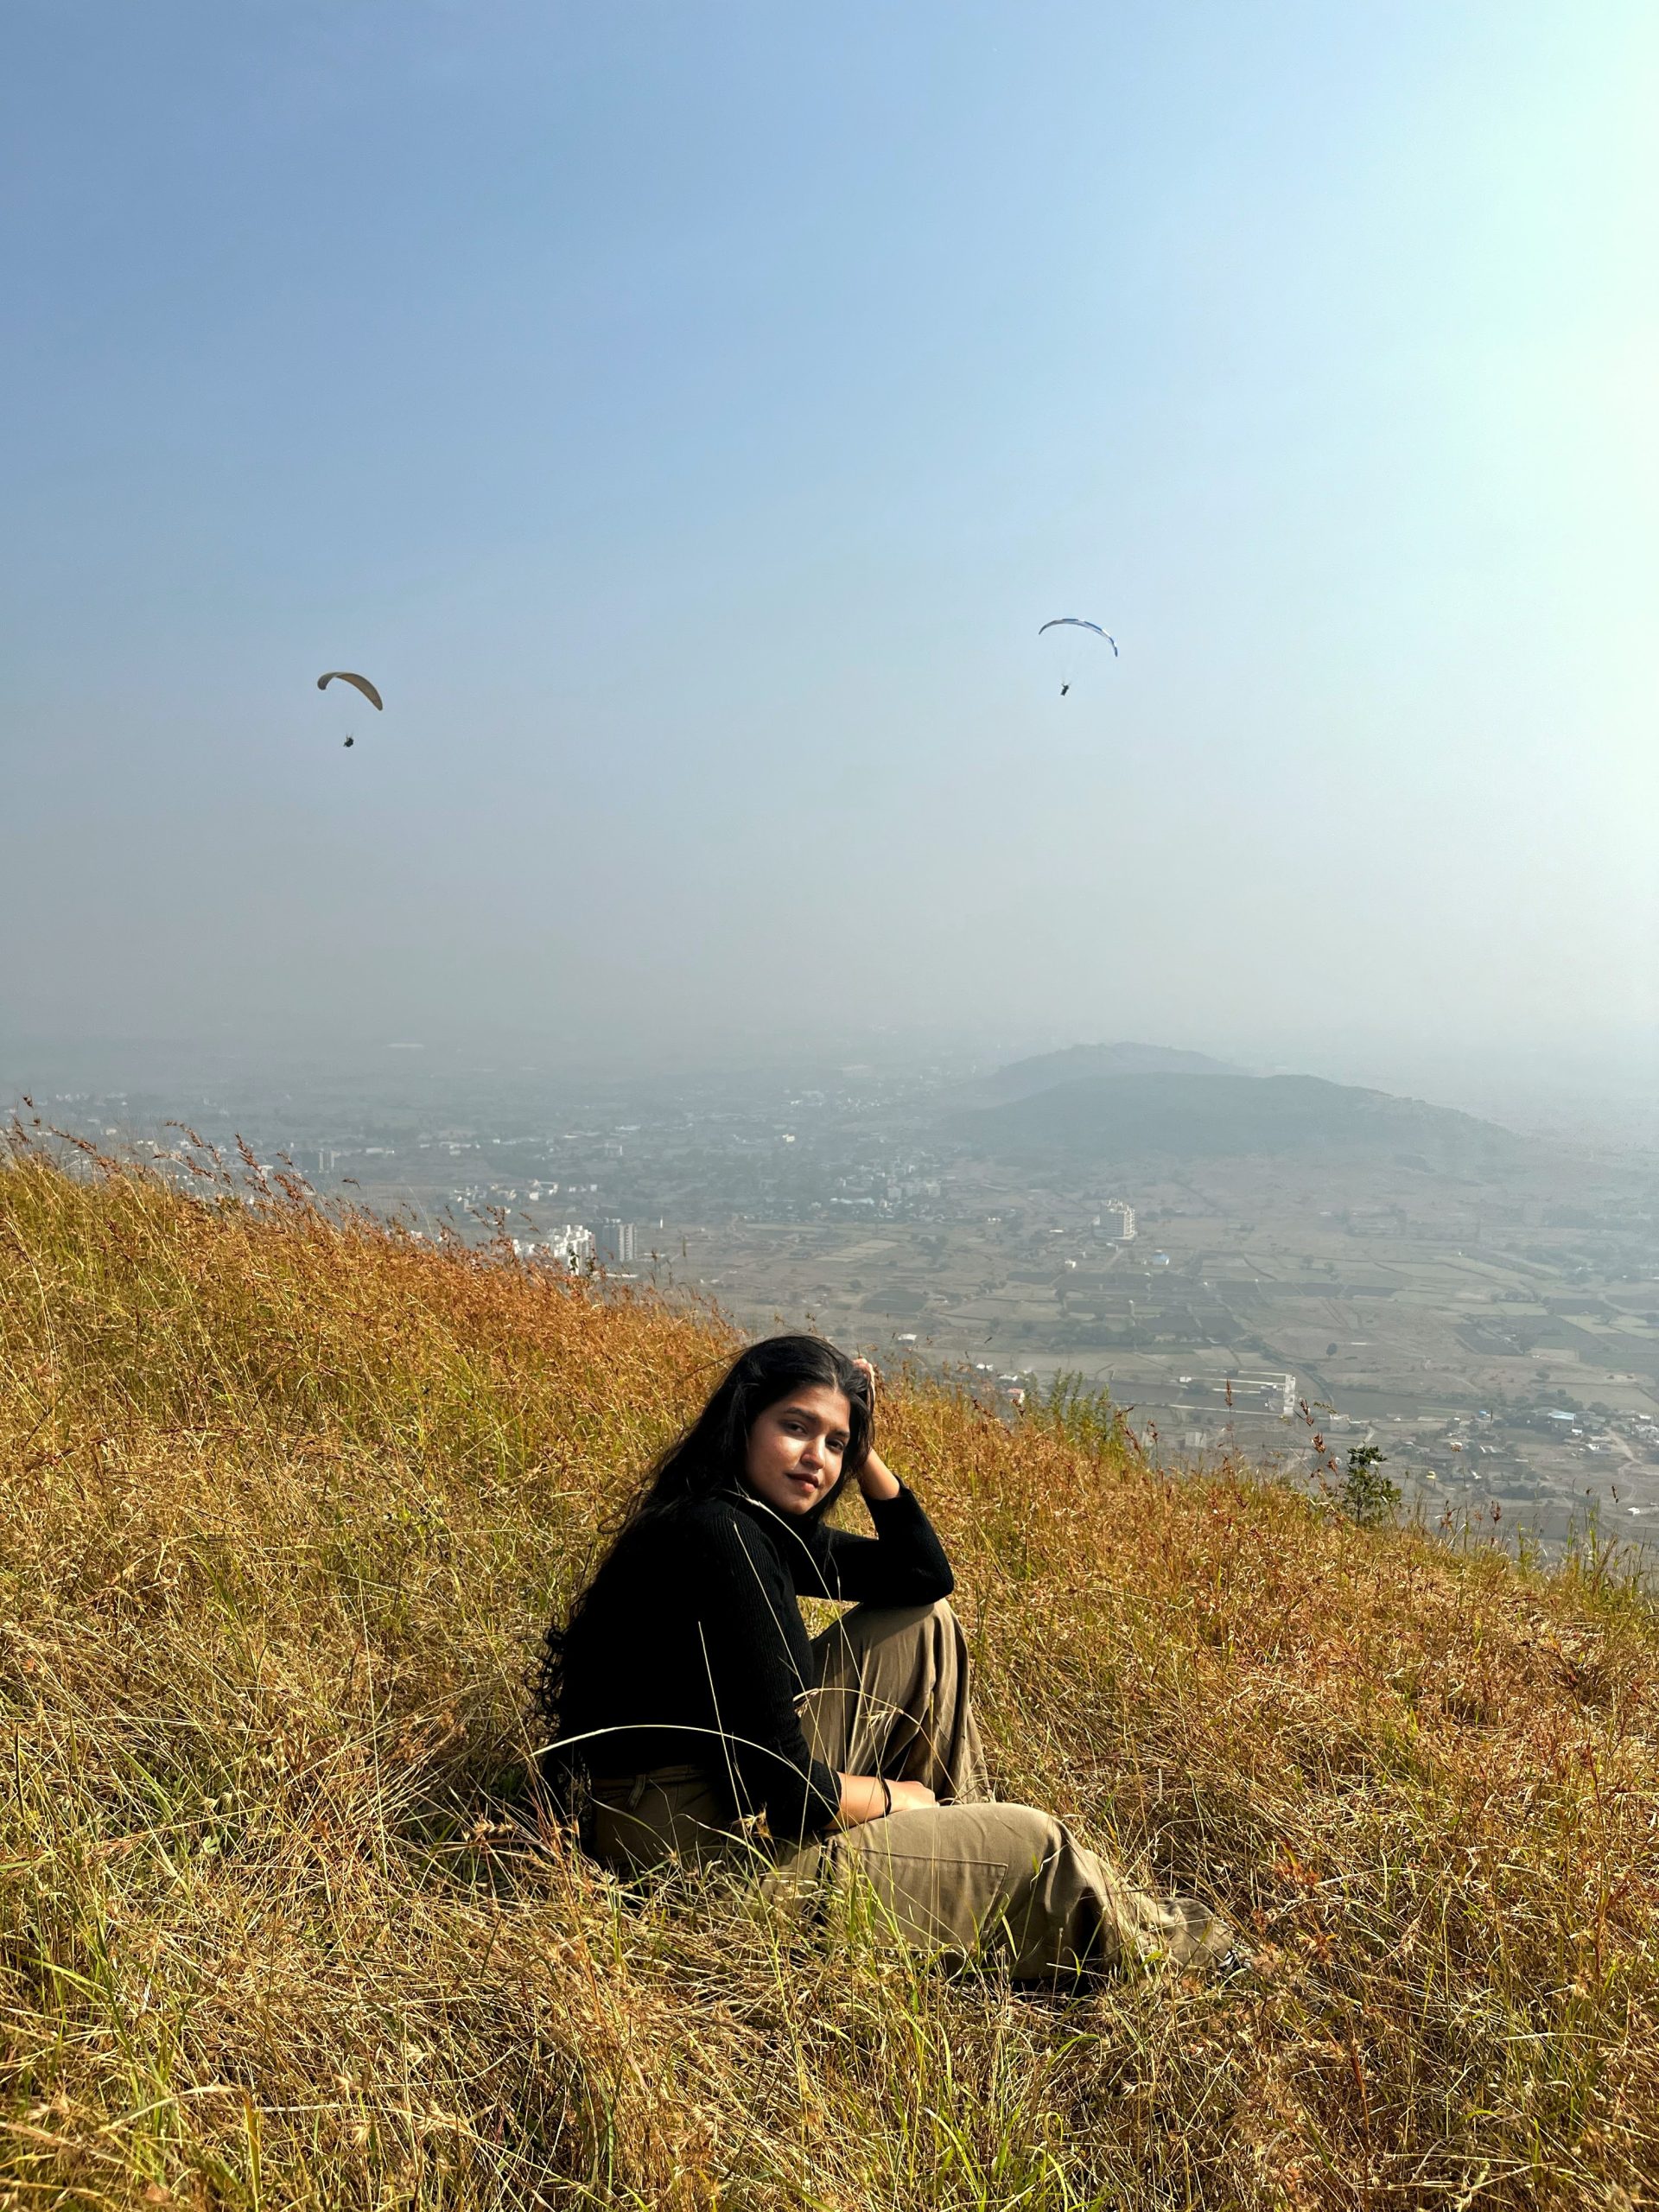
685,1692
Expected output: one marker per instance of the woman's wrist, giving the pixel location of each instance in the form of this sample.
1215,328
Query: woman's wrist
864,1797
876,1479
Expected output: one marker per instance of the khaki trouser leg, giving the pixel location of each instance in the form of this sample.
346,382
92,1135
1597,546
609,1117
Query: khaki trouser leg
892,1699
969,1875
1014,1884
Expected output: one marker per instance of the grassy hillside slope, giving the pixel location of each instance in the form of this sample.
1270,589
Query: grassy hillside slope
286,1502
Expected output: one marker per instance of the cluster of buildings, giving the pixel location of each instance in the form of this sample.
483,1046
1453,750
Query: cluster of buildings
576,1249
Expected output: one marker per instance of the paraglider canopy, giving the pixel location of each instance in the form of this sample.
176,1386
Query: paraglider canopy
1075,643
345,675
1069,622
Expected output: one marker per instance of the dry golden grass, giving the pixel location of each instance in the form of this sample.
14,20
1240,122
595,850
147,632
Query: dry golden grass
287,1502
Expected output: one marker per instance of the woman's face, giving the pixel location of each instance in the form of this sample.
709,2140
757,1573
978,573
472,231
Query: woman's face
796,1447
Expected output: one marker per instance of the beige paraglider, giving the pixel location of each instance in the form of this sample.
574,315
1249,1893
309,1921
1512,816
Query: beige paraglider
345,675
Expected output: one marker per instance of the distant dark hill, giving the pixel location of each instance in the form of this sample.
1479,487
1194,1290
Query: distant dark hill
1047,1071
1185,1116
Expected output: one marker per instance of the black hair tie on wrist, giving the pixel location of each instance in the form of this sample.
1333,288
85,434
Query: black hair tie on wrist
886,1794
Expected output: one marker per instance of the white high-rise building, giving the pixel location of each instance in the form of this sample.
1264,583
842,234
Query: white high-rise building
572,1246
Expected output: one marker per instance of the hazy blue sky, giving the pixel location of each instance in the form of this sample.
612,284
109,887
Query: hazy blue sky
688,412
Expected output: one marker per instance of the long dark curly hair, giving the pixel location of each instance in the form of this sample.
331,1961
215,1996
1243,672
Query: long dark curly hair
709,1456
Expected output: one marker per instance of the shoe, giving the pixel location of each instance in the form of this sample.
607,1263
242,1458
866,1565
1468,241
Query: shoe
1200,1937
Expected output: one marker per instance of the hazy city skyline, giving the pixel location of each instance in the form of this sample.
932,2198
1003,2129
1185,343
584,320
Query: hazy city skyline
687,417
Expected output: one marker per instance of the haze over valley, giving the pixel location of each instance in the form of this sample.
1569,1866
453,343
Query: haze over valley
1245,1262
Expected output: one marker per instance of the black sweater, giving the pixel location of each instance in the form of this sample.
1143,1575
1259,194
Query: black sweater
690,1649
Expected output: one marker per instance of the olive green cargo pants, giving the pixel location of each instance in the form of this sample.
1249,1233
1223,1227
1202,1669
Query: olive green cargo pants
966,1877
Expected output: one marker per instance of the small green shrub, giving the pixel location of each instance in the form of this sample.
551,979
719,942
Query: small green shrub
1368,1496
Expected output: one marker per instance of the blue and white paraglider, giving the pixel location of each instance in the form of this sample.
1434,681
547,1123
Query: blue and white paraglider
1073,647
